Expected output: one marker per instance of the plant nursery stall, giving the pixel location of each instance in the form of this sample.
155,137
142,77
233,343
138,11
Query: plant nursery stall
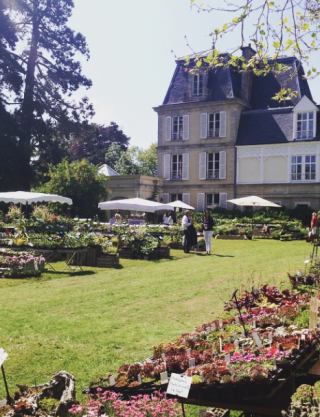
251,359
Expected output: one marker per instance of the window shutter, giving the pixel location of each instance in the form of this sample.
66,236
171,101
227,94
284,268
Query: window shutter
185,135
167,133
200,201
185,166
165,198
186,198
166,166
222,165
202,165
223,123
223,200
203,126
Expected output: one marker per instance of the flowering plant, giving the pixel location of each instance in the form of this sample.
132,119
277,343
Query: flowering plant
113,405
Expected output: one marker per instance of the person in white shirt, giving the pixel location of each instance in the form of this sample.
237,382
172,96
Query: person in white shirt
185,223
167,219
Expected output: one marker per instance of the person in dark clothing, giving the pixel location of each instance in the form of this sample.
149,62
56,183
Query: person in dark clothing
186,223
207,228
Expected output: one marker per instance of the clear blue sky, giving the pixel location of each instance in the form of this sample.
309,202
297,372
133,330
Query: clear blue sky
132,62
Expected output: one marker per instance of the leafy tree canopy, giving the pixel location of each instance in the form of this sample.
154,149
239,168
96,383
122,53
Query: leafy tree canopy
282,27
92,141
135,160
41,52
80,181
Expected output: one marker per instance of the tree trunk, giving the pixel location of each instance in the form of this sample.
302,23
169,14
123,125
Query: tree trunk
27,109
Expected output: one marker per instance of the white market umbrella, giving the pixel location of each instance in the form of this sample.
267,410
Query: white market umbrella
26,197
253,201
137,204
181,204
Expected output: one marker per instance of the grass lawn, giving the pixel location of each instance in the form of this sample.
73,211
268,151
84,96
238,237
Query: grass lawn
90,323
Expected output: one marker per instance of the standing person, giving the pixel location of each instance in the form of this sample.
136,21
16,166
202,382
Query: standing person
207,228
314,227
186,223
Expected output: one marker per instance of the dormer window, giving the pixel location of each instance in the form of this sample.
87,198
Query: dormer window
197,85
305,126
304,119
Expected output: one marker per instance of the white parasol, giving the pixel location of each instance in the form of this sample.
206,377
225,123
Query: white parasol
137,204
181,204
26,197
253,201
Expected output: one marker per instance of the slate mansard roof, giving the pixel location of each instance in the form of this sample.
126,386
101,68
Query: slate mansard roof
225,83
269,126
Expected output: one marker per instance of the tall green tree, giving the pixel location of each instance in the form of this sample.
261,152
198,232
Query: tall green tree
281,27
80,181
92,141
134,160
50,73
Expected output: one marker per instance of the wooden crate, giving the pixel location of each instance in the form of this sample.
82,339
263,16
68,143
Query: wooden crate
107,261
92,254
176,245
127,253
162,252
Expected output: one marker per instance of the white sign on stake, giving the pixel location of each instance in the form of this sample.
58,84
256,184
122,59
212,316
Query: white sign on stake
179,385
112,380
3,356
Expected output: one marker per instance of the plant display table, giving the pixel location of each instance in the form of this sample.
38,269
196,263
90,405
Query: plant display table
249,360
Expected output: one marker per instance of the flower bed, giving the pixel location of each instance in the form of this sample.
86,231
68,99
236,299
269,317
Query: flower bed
235,356
20,264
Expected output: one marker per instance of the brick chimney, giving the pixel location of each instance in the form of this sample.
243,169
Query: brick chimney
246,77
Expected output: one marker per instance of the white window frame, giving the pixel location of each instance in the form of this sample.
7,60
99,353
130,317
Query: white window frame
176,128
302,173
203,198
218,172
214,125
182,169
205,125
177,163
175,196
305,131
197,84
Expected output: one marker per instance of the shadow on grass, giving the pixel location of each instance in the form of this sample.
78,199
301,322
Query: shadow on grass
223,256
69,272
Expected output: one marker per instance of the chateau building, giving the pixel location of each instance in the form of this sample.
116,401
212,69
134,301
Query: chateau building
222,136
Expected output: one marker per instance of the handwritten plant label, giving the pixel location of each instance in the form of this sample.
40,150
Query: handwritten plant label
179,385
112,381
192,362
213,326
227,358
3,356
236,344
188,351
164,377
139,379
220,323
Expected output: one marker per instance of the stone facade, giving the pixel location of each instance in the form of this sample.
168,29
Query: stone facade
221,136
